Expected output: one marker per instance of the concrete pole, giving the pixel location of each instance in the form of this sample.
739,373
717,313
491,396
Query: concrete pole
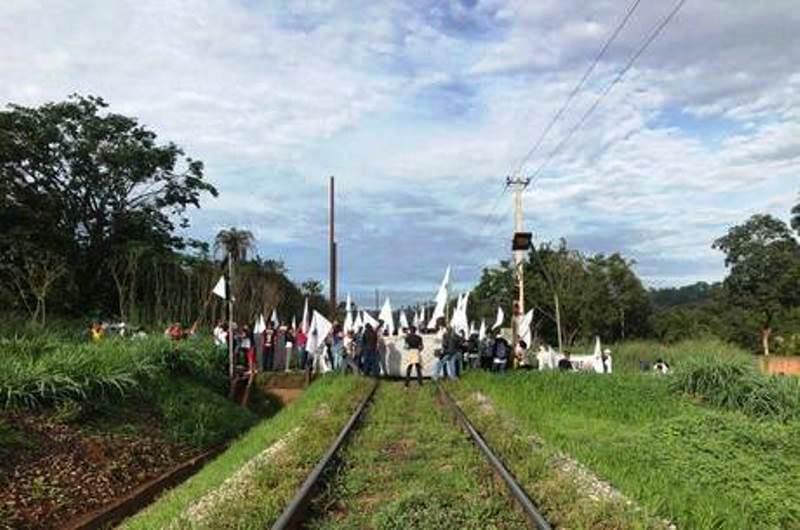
518,186
332,249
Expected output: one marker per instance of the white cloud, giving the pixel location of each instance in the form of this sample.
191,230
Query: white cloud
441,101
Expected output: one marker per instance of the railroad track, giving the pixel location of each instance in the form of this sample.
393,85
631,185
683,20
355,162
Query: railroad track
299,511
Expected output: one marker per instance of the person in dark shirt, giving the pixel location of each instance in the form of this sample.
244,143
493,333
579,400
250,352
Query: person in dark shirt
565,365
500,351
414,346
370,350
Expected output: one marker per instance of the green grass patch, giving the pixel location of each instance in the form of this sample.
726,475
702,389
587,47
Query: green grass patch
627,355
315,418
410,466
700,467
197,416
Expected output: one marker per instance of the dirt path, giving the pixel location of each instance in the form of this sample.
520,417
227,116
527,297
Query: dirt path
409,466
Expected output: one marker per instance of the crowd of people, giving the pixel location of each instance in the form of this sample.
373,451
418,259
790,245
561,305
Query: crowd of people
363,350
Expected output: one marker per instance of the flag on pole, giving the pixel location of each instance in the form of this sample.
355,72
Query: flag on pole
348,318
500,318
260,325
359,322
294,322
275,322
305,324
369,319
482,330
441,300
386,316
403,320
220,289
525,327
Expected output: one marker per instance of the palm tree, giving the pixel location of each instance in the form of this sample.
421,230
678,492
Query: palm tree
234,241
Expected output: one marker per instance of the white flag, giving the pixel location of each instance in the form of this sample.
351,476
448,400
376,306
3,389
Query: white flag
369,319
358,323
500,318
275,322
348,306
387,317
260,326
525,327
348,322
294,322
219,289
441,300
305,324
482,331
403,320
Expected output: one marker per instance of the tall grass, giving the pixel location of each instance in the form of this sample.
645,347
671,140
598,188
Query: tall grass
733,382
628,355
45,371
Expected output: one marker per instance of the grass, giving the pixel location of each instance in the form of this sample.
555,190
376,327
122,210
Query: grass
184,383
410,466
734,383
315,418
627,355
698,466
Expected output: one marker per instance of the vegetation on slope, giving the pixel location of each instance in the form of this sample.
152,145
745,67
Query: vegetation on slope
699,466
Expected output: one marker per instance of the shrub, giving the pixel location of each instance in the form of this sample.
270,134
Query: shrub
733,382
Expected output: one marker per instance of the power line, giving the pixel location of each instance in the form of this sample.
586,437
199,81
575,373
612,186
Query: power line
656,31
578,86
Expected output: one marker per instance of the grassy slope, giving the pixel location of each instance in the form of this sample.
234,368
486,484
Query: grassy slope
700,467
278,481
410,466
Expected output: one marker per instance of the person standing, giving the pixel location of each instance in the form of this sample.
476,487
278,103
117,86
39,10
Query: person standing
414,345
500,354
300,341
269,346
370,350
289,347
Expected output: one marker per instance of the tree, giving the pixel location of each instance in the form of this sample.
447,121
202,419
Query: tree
235,242
33,276
80,182
764,263
796,217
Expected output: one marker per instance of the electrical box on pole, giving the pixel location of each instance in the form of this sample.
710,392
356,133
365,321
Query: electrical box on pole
517,186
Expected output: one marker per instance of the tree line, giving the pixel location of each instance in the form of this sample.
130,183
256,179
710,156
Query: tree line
757,304
92,206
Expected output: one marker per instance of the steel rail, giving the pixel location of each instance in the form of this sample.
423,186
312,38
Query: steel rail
529,510
293,515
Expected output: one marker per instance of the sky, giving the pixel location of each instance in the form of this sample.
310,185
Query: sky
420,109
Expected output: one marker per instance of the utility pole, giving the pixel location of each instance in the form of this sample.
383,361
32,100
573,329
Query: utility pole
332,250
229,294
517,185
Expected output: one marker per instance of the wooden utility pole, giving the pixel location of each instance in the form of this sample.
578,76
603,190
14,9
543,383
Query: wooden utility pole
517,186
332,250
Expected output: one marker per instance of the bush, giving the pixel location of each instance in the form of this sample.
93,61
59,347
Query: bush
733,382
198,416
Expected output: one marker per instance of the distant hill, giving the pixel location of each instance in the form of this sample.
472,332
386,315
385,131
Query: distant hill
695,294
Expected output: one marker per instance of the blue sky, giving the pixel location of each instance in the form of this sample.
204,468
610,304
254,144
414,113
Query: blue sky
420,109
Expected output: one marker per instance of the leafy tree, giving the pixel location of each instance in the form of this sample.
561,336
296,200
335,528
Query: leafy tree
764,263
796,217
235,242
81,182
